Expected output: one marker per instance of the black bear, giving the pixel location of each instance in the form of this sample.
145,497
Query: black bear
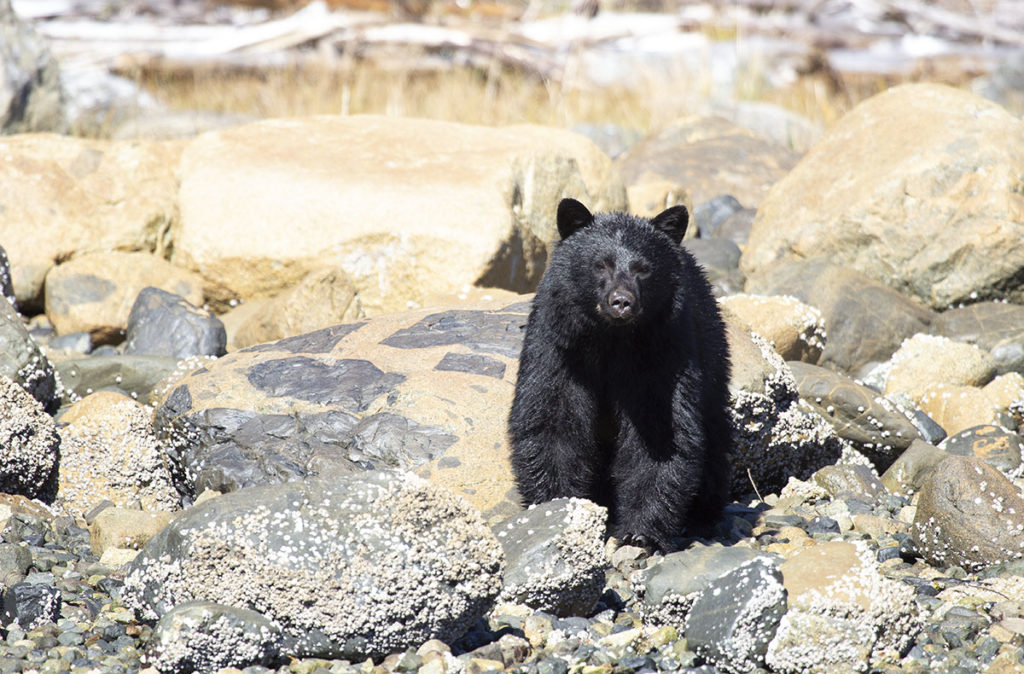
622,396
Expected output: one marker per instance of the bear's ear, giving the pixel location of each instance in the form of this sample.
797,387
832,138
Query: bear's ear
672,222
572,215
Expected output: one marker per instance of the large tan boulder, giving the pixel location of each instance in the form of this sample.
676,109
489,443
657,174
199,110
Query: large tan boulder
917,187
62,196
406,207
323,298
426,391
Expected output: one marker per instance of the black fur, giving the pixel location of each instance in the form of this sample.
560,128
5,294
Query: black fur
622,393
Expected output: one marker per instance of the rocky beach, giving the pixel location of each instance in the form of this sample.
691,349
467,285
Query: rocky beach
254,385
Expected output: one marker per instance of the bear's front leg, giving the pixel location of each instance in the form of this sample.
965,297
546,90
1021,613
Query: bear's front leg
656,476
554,450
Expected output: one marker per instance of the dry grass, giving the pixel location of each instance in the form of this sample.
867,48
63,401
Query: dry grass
470,96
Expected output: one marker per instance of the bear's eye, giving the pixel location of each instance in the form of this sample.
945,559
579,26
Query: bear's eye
605,266
639,269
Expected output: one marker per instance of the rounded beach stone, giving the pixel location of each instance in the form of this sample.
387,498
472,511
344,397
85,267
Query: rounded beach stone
359,566
968,514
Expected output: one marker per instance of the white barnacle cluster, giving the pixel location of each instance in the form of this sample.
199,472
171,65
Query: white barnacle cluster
114,456
878,617
29,440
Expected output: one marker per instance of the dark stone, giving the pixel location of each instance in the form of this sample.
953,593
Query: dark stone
688,571
226,449
29,603
873,424
318,341
710,215
390,441
733,620
719,259
866,320
472,364
994,445
165,324
823,525
484,332
927,428
6,282
348,383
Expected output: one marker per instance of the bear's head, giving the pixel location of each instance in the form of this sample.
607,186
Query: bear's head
622,267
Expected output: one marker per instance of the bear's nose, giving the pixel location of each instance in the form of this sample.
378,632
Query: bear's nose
621,304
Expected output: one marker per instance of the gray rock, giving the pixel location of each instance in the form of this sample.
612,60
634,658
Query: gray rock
473,364
908,472
75,341
14,563
30,443
670,588
165,324
720,260
709,216
354,567
136,376
852,480
968,514
866,320
555,556
733,620
20,357
203,636
31,604
31,98
737,227
996,327
874,425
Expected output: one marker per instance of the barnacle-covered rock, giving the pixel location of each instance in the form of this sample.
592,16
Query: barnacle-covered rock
844,615
555,556
357,566
776,436
28,439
